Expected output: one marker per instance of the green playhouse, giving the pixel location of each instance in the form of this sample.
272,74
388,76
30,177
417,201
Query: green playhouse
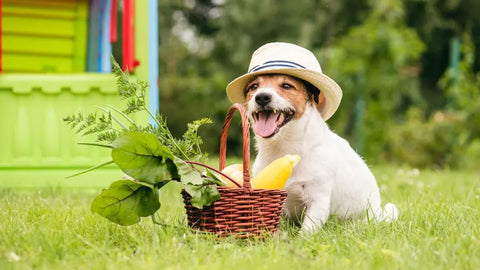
54,61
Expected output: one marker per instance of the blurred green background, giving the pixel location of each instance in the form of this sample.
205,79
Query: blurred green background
408,69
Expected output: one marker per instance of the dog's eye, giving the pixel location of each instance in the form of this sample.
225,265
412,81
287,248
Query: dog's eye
251,87
287,86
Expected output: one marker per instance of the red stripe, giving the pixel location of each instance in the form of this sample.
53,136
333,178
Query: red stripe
113,22
0,36
128,35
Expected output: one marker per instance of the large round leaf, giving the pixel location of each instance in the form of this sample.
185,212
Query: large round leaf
125,201
143,157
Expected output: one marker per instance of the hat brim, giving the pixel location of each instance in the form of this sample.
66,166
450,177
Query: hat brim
329,88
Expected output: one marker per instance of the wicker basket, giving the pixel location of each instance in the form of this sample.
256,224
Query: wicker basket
242,212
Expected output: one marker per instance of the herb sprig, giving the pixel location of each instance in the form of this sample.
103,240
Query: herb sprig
107,126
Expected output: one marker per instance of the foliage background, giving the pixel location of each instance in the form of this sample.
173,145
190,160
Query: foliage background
406,99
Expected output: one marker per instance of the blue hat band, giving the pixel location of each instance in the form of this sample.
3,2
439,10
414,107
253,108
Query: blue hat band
275,64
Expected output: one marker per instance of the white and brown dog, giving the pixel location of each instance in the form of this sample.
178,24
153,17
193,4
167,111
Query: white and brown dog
288,99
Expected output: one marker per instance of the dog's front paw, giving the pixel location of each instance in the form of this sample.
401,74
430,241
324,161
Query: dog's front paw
310,226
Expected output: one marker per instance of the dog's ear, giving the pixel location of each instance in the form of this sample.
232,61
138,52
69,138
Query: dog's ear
314,93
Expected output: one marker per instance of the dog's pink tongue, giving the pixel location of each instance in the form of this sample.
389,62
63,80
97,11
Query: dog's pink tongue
266,124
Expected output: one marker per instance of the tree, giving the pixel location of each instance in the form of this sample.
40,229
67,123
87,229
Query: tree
437,22
376,63
235,31
388,56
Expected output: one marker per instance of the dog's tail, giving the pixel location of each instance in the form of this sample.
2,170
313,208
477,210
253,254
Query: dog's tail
388,213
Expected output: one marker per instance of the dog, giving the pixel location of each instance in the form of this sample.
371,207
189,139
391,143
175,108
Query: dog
331,178
288,101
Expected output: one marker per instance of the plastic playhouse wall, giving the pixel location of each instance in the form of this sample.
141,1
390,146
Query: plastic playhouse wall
34,138
48,35
35,145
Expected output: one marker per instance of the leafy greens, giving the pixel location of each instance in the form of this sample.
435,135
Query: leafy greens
147,153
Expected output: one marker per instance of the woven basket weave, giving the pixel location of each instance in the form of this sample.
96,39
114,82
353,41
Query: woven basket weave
241,212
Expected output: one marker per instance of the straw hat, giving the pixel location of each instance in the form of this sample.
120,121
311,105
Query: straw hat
288,59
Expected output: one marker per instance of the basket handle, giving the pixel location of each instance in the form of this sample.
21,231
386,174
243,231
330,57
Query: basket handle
246,142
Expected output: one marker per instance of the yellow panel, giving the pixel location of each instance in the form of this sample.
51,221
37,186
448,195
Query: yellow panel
38,12
35,63
43,45
46,3
37,26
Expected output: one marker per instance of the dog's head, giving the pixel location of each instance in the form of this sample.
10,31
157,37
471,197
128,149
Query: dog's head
273,100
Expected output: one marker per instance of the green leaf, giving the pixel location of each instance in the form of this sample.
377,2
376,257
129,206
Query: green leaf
188,175
216,178
203,190
192,141
125,201
159,185
144,158
202,195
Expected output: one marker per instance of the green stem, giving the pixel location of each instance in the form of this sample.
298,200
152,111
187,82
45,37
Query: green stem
197,144
151,115
97,144
113,117
156,222
91,169
122,114
215,170
167,132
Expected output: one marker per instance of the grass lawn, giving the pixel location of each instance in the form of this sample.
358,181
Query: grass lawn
51,227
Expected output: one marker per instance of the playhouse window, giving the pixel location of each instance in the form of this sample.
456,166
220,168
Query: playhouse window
65,36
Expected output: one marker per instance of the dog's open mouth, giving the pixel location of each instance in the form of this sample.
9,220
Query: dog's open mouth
268,122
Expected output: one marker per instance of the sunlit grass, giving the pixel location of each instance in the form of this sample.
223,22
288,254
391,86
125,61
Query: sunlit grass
53,228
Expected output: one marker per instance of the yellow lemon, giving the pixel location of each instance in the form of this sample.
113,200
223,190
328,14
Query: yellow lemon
276,174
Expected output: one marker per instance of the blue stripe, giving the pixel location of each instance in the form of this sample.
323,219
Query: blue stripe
153,94
276,63
284,61
272,66
253,68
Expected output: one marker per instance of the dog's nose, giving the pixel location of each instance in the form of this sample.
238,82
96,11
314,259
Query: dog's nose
263,99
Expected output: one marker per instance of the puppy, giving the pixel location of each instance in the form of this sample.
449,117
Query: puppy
331,178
